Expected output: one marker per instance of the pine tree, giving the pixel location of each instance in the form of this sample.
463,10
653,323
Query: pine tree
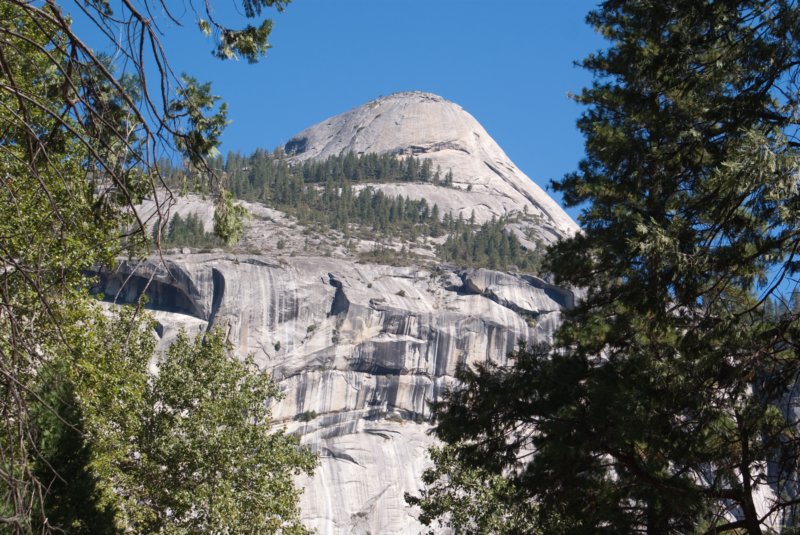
663,408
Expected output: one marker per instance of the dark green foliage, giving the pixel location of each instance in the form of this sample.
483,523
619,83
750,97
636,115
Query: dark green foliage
491,246
306,416
188,232
265,176
370,167
476,484
665,403
337,206
381,254
778,309
472,500
326,195
692,185
72,501
322,192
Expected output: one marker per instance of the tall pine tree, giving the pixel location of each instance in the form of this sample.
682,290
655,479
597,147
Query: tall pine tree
668,404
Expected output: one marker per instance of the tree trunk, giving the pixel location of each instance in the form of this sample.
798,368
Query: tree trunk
751,519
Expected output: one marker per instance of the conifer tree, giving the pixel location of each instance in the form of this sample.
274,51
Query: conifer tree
668,403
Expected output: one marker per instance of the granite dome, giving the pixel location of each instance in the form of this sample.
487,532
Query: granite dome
357,346
431,127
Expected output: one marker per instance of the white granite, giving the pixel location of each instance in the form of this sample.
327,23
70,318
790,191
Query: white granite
360,349
363,347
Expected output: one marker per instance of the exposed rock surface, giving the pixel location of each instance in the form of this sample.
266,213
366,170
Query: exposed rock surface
430,127
359,349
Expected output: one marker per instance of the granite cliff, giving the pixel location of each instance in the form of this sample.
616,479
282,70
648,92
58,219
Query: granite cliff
359,348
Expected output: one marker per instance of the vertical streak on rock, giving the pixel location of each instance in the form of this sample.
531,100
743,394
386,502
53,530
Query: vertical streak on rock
218,285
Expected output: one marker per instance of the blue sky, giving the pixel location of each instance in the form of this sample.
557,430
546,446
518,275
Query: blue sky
510,63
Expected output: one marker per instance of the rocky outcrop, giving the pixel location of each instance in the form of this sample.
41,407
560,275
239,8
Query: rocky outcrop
358,350
429,127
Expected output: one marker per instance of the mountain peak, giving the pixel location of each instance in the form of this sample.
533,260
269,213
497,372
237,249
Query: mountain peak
412,95
398,123
430,127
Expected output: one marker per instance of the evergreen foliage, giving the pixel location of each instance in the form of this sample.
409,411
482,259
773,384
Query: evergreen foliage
328,195
381,254
72,502
490,246
338,206
229,218
325,193
472,499
188,232
668,404
265,176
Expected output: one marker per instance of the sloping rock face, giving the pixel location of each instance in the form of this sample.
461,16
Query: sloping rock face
358,350
430,127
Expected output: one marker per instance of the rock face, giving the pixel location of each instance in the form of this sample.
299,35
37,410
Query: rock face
433,128
358,348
